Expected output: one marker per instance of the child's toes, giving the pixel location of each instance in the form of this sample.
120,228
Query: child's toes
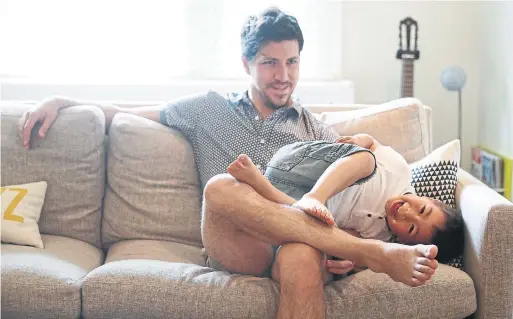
431,263
244,159
424,269
232,166
421,276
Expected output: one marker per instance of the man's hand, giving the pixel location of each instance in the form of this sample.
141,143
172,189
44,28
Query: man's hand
312,206
44,113
339,267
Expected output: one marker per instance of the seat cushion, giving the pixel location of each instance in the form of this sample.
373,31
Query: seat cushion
449,294
401,124
71,159
153,188
155,250
45,283
160,289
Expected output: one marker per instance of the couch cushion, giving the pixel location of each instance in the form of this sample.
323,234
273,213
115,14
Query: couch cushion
401,124
156,250
153,189
449,294
45,283
158,289
71,159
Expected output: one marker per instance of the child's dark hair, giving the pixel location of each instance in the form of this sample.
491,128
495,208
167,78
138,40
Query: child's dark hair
449,240
271,25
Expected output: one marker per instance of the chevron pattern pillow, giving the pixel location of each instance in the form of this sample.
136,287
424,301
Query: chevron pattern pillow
436,176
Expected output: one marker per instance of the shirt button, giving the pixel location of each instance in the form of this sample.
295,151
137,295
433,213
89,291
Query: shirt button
262,141
256,118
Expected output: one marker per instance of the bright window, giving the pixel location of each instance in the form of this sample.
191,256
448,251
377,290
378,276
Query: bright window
152,40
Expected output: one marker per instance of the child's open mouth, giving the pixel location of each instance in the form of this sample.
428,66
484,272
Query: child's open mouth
395,208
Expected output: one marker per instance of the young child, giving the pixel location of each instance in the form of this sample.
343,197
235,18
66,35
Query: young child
320,177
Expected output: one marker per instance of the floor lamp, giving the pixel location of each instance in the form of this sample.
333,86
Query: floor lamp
453,79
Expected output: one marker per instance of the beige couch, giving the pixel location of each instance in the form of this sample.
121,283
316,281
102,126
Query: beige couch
121,229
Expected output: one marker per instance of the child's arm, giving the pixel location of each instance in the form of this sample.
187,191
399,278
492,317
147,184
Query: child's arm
337,177
361,139
341,174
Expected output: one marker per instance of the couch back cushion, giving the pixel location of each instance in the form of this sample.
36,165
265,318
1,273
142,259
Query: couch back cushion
153,191
401,124
71,159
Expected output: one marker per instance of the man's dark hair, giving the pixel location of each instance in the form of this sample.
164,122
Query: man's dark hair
272,25
449,240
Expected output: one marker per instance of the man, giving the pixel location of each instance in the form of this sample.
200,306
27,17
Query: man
239,227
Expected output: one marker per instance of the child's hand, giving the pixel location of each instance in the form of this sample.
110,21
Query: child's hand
346,139
314,207
362,140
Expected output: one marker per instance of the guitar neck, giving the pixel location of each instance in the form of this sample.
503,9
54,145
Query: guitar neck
407,78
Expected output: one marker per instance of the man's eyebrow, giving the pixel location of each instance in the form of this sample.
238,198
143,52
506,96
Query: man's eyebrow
272,58
268,57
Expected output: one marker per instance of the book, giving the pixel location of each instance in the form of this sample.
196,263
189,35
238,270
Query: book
488,162
493,169
476,168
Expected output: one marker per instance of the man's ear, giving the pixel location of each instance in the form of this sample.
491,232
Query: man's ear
245,63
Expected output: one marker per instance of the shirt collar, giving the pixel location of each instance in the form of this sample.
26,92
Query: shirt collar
242,98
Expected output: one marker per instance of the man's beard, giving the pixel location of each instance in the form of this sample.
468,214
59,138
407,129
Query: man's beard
275,107
268,102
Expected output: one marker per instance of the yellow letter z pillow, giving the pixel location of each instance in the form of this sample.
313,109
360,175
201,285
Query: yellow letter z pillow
21,209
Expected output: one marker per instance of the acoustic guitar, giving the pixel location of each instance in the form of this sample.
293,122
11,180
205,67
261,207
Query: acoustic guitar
408,52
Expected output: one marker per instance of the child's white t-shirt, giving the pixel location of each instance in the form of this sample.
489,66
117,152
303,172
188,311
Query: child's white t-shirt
362,207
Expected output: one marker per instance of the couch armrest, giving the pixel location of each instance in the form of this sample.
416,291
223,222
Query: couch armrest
488,254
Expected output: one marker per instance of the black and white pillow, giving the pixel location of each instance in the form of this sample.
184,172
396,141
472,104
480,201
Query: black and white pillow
436,176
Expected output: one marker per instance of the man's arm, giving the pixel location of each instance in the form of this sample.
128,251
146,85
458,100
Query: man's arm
47,111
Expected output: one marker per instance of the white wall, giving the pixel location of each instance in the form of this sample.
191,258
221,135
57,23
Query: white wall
447,36
449,33
496,89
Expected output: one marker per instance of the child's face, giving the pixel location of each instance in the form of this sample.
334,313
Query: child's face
414,219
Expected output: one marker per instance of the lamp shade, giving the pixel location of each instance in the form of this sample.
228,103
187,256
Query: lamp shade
453,78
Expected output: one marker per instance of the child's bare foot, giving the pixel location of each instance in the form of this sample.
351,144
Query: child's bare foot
244,170
411,265
312,206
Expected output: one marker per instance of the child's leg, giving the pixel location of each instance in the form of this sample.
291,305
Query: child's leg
244,170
